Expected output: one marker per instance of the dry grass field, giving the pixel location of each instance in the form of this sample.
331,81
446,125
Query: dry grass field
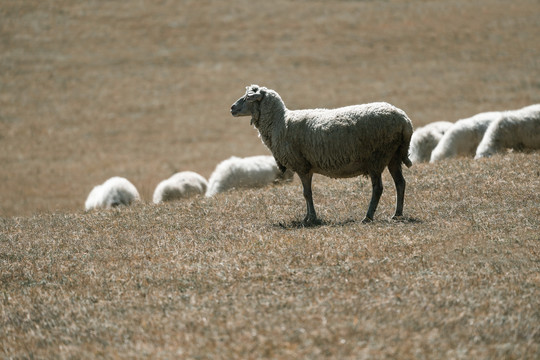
233,277
94,89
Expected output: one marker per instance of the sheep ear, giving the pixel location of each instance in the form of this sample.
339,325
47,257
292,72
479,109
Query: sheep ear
255,93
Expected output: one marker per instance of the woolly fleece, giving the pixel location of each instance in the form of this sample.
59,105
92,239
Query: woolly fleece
463,137
518,130
181,185
424,140
113,192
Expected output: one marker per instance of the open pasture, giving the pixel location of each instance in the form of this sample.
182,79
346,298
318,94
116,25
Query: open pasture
91,90
234,276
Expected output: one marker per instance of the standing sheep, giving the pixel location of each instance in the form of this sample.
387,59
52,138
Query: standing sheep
463,137
518,129
249,172
339,143
113,192
181,185
425,138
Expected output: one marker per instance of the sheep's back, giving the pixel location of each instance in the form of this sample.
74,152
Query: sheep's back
181,185
344,142
254,171
464,136
516,129
113,192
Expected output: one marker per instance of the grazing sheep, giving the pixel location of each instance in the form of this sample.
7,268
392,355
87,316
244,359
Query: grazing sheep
463,137
425,138
181,185
113,192
344,142
249,172
518,129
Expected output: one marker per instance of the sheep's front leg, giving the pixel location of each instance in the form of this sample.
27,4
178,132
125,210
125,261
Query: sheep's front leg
311,216
376,192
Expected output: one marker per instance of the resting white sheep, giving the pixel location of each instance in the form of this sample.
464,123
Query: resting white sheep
181,185
425,138
113,192
344,142
249,172
463,137
518,129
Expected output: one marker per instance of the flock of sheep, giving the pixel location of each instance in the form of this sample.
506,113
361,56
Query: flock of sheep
339,143
479,136
235,172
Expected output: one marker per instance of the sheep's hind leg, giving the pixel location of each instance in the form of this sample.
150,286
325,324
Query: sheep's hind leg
376,192
395,170
311,216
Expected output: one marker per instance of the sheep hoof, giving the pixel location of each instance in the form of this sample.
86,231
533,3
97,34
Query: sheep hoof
311,222
367,220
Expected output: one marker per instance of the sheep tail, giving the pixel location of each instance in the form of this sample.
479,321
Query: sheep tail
404,147
407,161
281,167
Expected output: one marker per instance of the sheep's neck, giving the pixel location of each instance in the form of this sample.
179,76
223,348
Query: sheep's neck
269,122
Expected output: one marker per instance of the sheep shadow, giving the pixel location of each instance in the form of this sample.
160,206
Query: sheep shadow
296,224
400,220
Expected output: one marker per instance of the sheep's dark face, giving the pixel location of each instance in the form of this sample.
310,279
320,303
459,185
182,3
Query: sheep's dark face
241,107
247,104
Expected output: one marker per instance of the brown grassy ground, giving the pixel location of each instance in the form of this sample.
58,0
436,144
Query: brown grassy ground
233,277
90,90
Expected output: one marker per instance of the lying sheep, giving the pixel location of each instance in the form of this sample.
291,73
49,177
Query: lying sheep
344,142
249,172
518,129
463,137
424,140
113,192
181,185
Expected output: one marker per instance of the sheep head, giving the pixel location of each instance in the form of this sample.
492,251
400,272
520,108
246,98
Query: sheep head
249,104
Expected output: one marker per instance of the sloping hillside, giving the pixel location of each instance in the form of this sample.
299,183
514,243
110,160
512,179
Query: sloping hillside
234,277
